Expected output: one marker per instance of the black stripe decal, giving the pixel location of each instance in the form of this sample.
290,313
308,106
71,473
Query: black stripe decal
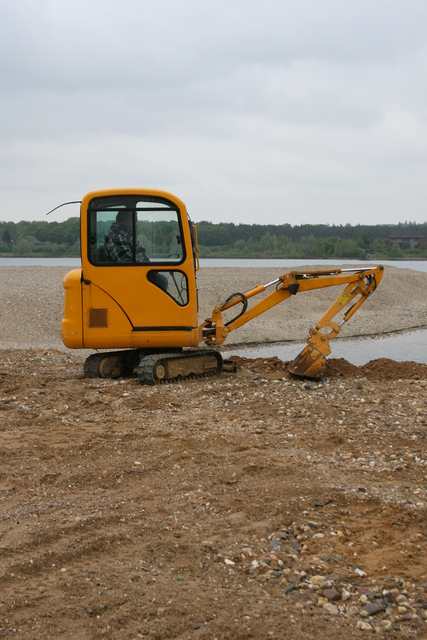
163,328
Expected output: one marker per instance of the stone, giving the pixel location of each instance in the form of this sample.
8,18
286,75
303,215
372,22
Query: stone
371,609
275,545
319,580
331,594
406,617
331,608
385,624
296,545
334,557
401,599
364,626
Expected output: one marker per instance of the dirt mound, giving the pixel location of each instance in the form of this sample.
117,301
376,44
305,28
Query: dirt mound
381,369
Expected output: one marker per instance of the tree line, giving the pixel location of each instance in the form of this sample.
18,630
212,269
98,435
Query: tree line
55,238
229,240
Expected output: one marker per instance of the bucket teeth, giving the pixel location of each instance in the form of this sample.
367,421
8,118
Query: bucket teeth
310,363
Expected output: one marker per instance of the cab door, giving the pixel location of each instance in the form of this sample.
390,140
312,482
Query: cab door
138,284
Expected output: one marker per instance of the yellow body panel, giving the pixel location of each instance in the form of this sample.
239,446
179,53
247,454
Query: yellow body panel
118,306
72,325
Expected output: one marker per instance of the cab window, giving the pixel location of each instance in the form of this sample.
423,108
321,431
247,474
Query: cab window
134,230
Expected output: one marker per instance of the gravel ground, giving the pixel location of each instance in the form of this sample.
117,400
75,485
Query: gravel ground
32,299
250,505
246,506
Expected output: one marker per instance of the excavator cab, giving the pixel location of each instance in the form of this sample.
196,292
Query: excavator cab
137,284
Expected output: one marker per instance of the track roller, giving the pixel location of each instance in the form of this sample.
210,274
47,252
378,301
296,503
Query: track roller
169,367
113,364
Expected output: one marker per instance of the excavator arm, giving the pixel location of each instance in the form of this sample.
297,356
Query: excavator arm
361,282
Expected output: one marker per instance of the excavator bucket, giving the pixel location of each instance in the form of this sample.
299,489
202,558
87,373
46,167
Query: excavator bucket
310,363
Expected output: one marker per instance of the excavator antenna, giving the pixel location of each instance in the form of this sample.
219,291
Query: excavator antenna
63,205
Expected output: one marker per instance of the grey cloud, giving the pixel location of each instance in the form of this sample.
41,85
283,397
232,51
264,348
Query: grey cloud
313,107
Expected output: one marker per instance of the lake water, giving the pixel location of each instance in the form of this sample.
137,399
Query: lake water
400,347
417,265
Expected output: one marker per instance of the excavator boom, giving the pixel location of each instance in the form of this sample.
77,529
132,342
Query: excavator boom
361,282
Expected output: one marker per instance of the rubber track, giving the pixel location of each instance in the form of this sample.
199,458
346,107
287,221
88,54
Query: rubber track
148,363
129,362
91,365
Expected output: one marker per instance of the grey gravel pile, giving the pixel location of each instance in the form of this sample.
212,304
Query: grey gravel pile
32,303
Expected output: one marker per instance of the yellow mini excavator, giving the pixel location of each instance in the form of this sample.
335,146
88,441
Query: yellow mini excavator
136,293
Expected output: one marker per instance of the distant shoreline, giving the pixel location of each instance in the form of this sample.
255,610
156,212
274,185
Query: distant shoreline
43,256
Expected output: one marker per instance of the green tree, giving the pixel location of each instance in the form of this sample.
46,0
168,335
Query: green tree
240,246
395,251
7,238
365,239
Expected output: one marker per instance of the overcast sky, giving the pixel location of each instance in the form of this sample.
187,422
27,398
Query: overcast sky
298,111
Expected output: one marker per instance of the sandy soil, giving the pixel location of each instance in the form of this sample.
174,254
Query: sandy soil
247,506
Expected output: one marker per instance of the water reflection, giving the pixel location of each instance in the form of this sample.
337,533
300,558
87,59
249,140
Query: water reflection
400,347
417,265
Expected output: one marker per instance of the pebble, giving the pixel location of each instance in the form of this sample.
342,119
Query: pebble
275,545
319,580
296,545
331,608
401,599
371,609
352,610
331,594
406,617
385,624
364,626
